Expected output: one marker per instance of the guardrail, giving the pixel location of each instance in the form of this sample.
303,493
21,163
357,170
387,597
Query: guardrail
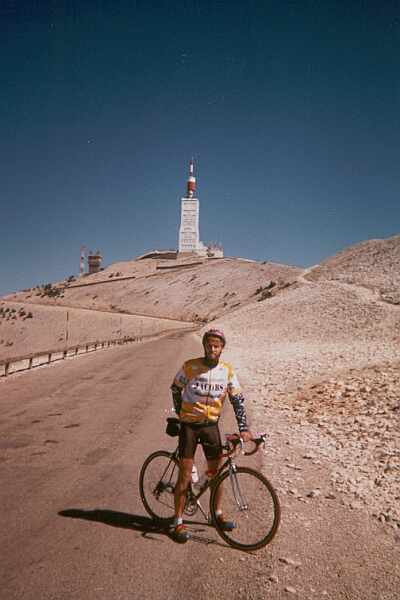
36,359
16,364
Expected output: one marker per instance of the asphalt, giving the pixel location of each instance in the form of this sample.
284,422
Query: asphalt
73,436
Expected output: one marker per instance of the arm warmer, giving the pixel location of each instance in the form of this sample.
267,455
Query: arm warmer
176,397
237,402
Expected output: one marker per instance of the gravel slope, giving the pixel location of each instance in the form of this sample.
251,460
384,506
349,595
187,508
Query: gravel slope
327,355
188,289
374,264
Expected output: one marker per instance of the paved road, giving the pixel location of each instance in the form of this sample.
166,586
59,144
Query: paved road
73,437
125,313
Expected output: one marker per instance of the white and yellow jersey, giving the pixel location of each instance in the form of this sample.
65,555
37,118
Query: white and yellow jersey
204,389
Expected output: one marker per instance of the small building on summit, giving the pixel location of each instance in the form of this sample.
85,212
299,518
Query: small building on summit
215,250
94,262
189,237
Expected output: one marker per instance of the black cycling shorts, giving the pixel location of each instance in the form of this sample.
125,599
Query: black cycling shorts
207,434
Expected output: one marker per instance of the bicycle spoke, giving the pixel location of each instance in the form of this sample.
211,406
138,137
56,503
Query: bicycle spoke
249,501
157,482
237,492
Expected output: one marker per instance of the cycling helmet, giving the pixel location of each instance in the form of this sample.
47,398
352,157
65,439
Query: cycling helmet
215,332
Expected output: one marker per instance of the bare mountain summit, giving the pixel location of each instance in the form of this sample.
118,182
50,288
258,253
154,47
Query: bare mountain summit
318,355
374,264
188,289
137,297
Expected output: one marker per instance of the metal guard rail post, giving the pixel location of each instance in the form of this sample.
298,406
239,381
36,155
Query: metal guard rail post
96,345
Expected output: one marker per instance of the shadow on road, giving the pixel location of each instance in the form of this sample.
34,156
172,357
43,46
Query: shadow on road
116,519
134,522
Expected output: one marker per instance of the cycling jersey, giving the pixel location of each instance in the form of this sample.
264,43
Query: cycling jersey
199,392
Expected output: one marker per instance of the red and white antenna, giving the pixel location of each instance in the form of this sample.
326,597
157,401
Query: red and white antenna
82,260
191,182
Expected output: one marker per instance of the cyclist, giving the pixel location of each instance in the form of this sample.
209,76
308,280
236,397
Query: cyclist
199,390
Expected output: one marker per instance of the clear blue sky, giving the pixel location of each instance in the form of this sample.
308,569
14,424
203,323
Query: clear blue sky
291,110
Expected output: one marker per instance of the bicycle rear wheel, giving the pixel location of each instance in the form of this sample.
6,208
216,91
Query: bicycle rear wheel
157,481
249,500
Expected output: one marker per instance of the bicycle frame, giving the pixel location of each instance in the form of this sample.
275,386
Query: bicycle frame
240,491
195,497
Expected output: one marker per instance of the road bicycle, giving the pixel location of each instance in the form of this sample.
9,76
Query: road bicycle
248,498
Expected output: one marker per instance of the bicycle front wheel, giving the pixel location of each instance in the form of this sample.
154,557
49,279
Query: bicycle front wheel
249,501
157,481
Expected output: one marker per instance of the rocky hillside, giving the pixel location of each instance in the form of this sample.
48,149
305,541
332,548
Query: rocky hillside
374,264
360,411
27,328
321,345
326,354
187,289
134,298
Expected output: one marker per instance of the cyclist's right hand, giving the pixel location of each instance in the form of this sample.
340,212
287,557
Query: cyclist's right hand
246,436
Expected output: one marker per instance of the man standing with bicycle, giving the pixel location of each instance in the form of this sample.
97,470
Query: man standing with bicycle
199,390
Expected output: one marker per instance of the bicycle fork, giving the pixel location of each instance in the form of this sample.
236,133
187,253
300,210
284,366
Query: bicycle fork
237,494
203,512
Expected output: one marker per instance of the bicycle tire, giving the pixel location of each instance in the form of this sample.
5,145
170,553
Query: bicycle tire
157,480
257,520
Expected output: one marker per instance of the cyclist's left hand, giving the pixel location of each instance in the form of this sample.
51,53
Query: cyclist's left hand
246,436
